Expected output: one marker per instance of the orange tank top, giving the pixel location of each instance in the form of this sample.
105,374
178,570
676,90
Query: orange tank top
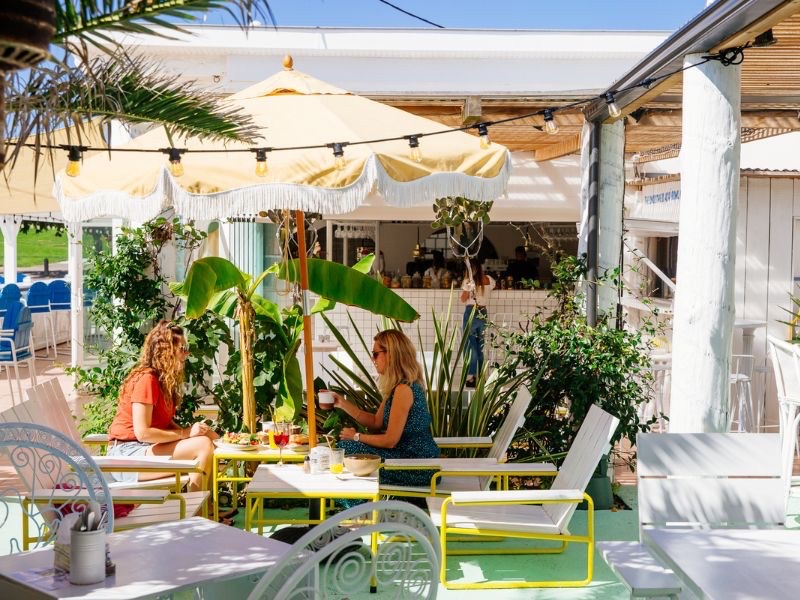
145,389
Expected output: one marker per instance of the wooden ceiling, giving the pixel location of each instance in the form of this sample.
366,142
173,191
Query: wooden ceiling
770,93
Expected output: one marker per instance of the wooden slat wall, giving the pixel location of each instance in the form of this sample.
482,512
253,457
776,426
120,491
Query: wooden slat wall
765,247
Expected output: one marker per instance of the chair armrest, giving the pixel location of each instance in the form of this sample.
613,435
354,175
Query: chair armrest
464,442
437,463
153,464
474,468
517,497
95,438
8,332
120,496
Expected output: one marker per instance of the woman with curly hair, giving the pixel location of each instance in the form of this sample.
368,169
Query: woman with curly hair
401,427
144,424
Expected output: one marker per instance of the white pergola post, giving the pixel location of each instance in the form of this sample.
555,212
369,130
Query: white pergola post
704,299
75,254
609,213
10,228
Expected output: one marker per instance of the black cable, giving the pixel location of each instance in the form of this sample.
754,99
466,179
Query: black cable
410,14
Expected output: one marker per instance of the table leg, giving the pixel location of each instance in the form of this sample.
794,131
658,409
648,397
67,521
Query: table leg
215,488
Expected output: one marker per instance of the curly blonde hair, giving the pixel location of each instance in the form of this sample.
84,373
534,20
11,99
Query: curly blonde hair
401,360
162,356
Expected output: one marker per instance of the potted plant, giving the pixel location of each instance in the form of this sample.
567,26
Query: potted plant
464,220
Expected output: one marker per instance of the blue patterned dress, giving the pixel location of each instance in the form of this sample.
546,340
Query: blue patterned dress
415,442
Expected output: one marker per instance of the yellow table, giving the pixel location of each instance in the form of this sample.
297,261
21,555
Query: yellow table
236,460
289,481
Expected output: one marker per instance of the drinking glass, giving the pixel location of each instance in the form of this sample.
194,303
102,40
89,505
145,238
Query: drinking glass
337,461
282,438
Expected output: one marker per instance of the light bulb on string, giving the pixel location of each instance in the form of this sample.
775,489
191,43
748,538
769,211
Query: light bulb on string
338,155
261,162
550,125
483,132
413,143
74,155
611,102
175,165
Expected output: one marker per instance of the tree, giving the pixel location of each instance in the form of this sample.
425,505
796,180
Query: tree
48,81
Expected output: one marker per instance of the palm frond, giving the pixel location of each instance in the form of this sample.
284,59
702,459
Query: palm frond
85,18
130,89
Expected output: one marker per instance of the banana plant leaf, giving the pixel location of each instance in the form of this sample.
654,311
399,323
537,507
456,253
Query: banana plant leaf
207,277
347,286
362,266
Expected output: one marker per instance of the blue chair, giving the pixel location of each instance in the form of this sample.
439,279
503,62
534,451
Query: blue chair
9,294
60,300
38,300
15,344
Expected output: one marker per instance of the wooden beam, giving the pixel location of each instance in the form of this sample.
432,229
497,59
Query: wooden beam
563,148
780,13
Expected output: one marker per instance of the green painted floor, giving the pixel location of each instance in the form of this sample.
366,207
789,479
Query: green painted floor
619,525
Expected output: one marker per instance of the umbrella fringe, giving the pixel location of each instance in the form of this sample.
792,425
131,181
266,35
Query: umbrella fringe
424,190
109,203
251,199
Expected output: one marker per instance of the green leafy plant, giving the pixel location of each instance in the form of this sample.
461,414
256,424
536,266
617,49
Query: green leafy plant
581,365
129,301
452,211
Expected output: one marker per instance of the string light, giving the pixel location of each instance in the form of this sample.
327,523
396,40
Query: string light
74,155
728,56
175,165
413,144
483,132
338,155
550,125
261,161
613,109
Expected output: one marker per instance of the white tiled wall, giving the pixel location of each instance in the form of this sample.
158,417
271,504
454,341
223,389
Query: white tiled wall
507,308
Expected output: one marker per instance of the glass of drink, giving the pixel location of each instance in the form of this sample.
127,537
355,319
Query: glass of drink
281,438
337,461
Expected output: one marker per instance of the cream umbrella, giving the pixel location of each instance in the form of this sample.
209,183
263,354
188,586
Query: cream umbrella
326,149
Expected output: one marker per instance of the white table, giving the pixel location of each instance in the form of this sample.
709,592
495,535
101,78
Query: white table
159,560
731,564
289,481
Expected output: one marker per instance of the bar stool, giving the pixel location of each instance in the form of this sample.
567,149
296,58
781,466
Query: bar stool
741,406
38,300
60,301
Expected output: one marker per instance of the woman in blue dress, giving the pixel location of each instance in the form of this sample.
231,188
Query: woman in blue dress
401,427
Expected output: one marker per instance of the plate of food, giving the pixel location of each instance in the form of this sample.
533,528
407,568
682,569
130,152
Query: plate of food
298,442
238,442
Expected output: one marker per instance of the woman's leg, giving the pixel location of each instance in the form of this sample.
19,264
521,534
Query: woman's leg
479,324
199,448
471,346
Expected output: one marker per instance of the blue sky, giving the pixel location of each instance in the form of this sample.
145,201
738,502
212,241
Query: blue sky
658,15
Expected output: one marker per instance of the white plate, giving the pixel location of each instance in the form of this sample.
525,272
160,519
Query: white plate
299,448
234,447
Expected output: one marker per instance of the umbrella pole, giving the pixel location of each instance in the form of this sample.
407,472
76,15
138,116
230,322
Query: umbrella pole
307,337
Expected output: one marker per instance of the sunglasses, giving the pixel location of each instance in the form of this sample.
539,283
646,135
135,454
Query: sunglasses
377,353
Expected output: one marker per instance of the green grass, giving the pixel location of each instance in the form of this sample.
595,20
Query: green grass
33,248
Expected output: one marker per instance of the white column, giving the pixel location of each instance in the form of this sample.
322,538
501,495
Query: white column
704,299
10,227
329,239
75,252
609,214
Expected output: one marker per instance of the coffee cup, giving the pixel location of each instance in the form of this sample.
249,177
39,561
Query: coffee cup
326,399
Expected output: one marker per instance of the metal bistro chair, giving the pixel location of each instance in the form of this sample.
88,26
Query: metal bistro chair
786,366
60,300
55,477
38,300
15,344
330,561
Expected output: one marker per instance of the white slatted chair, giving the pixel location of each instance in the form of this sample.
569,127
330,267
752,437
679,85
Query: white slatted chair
786,367
160,499
473,474
697,480
529,514
330,561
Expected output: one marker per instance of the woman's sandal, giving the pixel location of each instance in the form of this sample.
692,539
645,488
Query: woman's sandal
226,518
226,521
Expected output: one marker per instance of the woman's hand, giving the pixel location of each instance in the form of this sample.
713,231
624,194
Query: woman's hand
347,433
340,401
201,428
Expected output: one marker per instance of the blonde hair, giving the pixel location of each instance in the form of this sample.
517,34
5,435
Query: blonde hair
161,356
401,361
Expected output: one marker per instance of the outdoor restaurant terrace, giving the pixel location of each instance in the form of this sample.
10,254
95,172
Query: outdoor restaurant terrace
618,418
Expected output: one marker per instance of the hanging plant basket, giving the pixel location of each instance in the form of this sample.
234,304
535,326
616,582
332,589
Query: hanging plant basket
464,220
26,28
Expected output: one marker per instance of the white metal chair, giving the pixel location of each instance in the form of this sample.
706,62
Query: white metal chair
330,561
741,410
786,367
658,405
529,514
55,477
